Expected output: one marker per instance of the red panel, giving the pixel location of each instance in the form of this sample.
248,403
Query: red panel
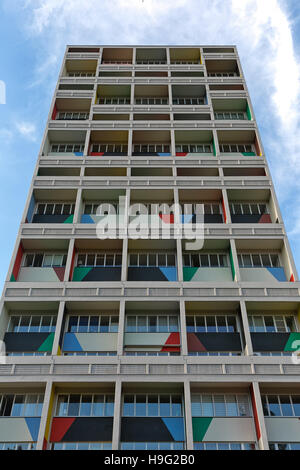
224,211
60,273
174,338
292,279
255,414
265,219
170,349
167,218
54,113
181,154
96,154
18,261
59,428
194,344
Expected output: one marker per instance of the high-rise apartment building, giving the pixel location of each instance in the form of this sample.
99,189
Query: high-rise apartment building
151,342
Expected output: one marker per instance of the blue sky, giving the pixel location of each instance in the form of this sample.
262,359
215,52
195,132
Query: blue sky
33,36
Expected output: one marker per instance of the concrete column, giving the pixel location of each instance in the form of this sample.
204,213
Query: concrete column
259,419
58,329
117,415
44,431
120,345
184,348
226,206
234,262
188,416
246,330
78,207
69,259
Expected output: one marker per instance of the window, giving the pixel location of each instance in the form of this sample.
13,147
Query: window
236,148
211,208
284,446
93,324
81,74
101,208
66,148
44,260
152,259
70,115
28,323
185,62
21,405
193,148
17,445
243,208
99,259
151,323
222,74
196,100
224,446
234,115
85,405
152,446
163,405
109,148
205,260
151,148
152,100
281,405
220,405
129,352
90,353
81,446
258,260
114,100
211,324
271,323
54,208
150,62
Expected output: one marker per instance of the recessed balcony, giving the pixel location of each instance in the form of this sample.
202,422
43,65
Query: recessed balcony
113,95
239,143
71,109
62,143
150,95
117,56
151,143
231,110
194,143
251,206
185,56
112,143
189,95
222,68
151,56
78,68
51,206
102,206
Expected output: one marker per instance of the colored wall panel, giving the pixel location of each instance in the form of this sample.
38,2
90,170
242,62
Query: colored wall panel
17,265
269,341
19,342
206,429
272,275
30,210
251,219
144,273
198,342
283,429
90,342
97,274
52,219
87,429
207,274
39,275
152,429
151,339
19,429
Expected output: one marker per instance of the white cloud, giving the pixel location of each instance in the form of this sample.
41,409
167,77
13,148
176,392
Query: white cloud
261,29
27,130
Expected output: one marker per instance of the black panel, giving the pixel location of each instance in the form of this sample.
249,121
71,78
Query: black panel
24,341
115,154
145,274
145,154
144,430
269,341
49,219
103,274
90,430
213,219
245,219
220,341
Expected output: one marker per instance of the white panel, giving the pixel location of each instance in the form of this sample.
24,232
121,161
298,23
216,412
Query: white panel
283,429
231,430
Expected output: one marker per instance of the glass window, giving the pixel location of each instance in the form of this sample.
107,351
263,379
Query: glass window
86,405
153,405
176,405
109,405
98,405
231,405
18,406
74,403
296,405
163,324
140,409
219,404
128,405
274,405
62,405
286,405
207,405
165,405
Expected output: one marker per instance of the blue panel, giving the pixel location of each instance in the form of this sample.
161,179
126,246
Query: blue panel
163,154
175,427
31,209
71,343
86,219
33,425
78,154
170,273
278,273
186,218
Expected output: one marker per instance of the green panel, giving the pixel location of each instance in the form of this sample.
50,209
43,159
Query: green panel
289,344
200,426
80,273
69,220
47,344
188,273
249,154
12,278
232,264
248,113
214,147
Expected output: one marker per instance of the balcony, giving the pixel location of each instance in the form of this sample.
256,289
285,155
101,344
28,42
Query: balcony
108,143
222,68
117,56
93,332
64,143
204,203
102,205
68,109
151,143
151,95
238,143
251,206
213,329
113,95
185,56
78,68
51,206
152,260
194,143
97,260
151,56
189,95
211,264
231,109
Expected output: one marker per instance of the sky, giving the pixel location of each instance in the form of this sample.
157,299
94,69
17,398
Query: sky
33,37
